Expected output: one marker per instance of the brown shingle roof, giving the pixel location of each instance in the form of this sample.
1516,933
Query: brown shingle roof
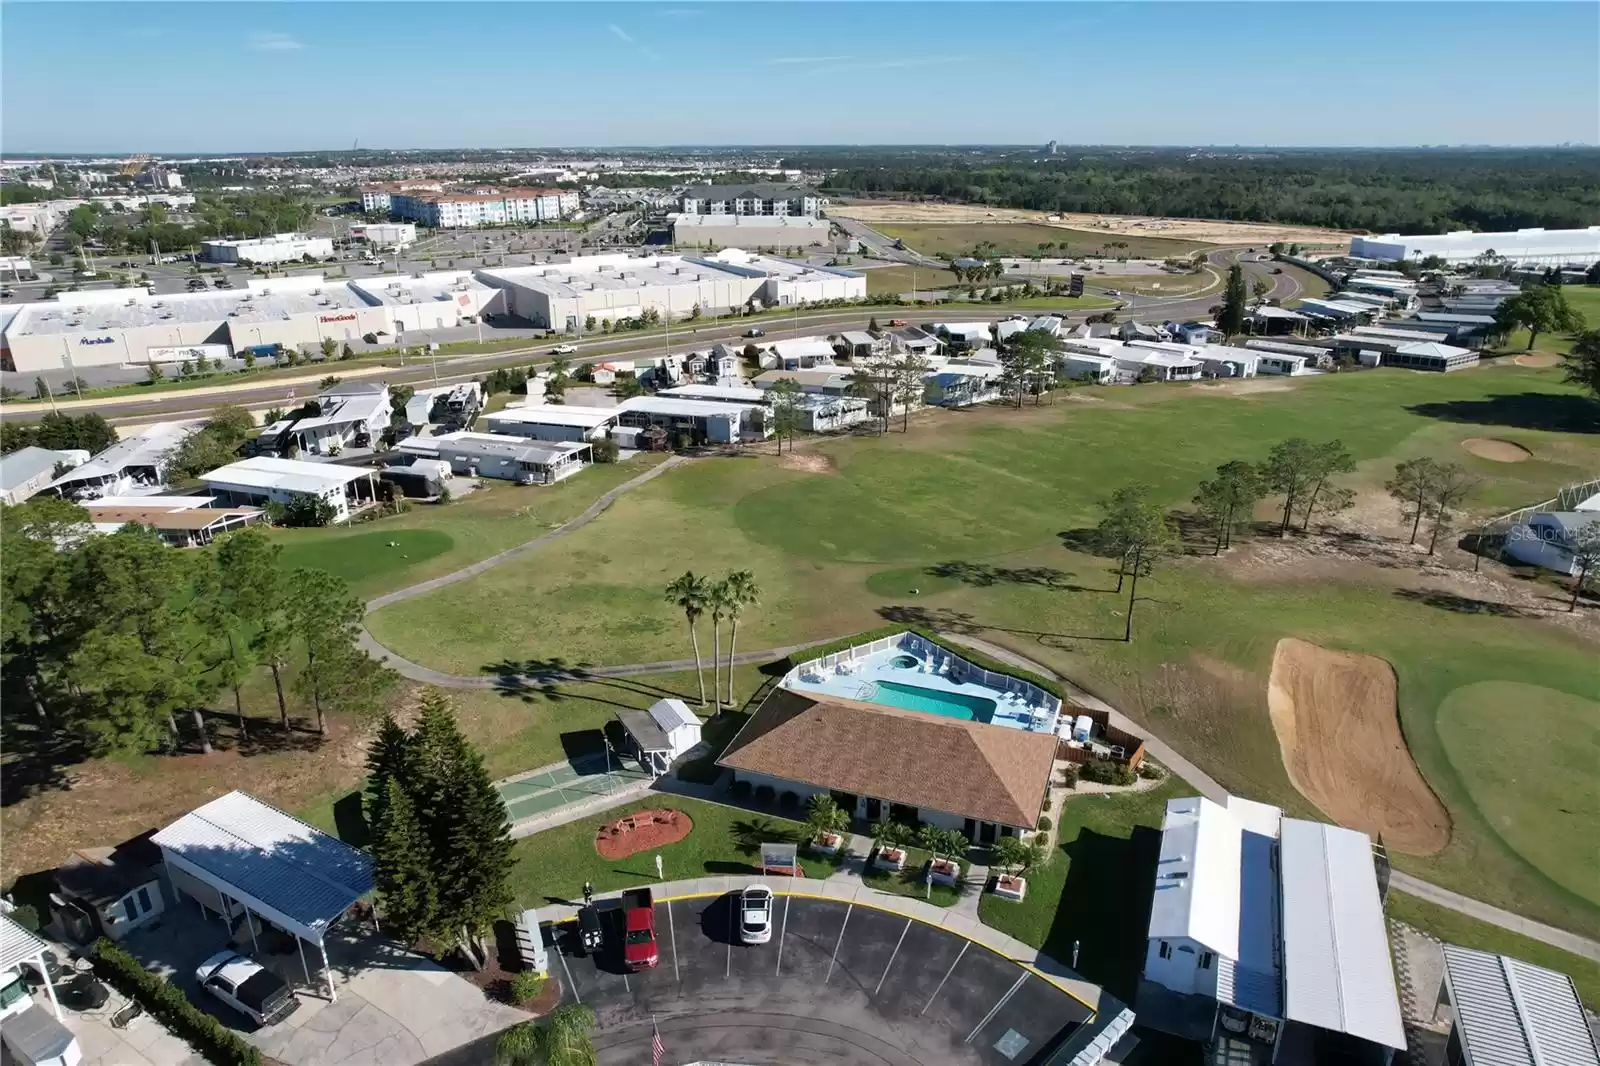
970,769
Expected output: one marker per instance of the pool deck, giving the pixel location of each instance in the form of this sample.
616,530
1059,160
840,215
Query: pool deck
870,669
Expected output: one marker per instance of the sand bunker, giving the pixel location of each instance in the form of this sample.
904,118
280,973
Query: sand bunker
641,831
1537,359
1495,450
1335,716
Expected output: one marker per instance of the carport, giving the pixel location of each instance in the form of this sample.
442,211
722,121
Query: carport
237,852
17,946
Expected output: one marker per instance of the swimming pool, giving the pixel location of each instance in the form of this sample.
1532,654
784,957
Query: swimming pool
931,701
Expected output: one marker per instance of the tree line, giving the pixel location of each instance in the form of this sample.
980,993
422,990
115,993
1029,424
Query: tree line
58,432
1380,191
109,640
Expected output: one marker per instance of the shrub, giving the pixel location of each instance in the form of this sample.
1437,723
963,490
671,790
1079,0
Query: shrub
1069,777
1047,801
1045,823
605,451
525,986
765,793
167,1003
1106,772
788,801
741,789
1151,771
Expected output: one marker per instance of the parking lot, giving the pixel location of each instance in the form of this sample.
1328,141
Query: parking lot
839,983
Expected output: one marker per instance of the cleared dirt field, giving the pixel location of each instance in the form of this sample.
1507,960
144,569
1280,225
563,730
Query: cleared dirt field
1207,231
1337,723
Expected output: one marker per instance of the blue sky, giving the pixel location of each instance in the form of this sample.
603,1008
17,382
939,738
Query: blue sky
224,77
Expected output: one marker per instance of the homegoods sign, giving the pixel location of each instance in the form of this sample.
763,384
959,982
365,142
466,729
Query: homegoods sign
348,316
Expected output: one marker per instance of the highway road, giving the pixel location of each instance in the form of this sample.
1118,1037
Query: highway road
135,408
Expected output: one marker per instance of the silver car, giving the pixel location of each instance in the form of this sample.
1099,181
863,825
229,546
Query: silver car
755,915
248,987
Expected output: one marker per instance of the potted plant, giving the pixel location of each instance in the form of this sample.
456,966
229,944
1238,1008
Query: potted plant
889,839
943,845
1015,856
826,822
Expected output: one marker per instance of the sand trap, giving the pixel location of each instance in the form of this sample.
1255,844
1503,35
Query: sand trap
1335,716
1538,359
1495,450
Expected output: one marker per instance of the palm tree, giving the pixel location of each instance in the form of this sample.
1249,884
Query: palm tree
889,834
742,592
824,815
563,1040
717,597
689,592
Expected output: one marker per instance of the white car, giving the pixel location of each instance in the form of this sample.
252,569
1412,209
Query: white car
563,349
248,987
755,915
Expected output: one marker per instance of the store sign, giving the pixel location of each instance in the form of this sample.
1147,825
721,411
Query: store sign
97,340
349,316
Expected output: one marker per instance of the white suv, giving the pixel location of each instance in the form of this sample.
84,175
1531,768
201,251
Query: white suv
755,915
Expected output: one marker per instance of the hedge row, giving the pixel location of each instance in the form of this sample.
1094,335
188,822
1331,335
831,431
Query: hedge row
976,658
166,1002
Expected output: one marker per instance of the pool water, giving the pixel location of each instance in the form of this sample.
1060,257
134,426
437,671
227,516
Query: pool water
929,701
905,662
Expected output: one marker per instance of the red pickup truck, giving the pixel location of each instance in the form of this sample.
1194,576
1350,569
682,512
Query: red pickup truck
639,924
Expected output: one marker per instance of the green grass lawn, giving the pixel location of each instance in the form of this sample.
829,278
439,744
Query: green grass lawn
436,539
948,240
1157,284
982,497
725,840
1459,929
900,279
910,882
1095,889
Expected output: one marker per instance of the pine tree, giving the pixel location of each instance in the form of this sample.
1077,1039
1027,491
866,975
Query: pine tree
390,758
465,822
401,866
1235,298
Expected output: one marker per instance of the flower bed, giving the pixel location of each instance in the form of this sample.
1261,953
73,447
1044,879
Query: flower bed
827,843
944,871
1010,886
890,859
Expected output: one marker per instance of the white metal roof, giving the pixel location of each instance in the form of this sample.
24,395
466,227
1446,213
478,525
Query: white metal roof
258,854
1434,348
857,337
1197,878
17,944
464,443
672,714
1510,1013
149,448
669,405
727,393
284,475
803,348
558,414
1336,965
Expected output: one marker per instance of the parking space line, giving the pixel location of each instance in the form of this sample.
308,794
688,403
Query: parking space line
1003,1001
564,969
782,932
892,954
727,971
672,934
839,942
943,979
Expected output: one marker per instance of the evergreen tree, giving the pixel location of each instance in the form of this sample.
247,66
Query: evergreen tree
389,758
465,821
1228,499
402,867
1235,301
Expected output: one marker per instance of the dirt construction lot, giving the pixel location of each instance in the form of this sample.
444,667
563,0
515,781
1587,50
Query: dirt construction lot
1334,713
1210,231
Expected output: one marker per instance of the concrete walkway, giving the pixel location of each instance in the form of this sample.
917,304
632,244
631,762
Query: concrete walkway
845,890
1165,754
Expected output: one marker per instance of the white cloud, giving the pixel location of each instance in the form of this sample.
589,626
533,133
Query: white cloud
810,59
273,41
644,49
619,32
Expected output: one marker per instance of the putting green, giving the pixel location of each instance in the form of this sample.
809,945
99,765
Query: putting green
359,557
1527,757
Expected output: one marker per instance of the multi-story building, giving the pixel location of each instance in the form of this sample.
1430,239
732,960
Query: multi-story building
1528,247
385,234
484,207
375,199
777,200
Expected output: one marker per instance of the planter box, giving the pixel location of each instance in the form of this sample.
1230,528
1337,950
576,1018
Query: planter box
890,858
1013,888
944,872
828,843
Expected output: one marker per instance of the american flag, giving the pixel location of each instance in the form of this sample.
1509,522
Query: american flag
657,1049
